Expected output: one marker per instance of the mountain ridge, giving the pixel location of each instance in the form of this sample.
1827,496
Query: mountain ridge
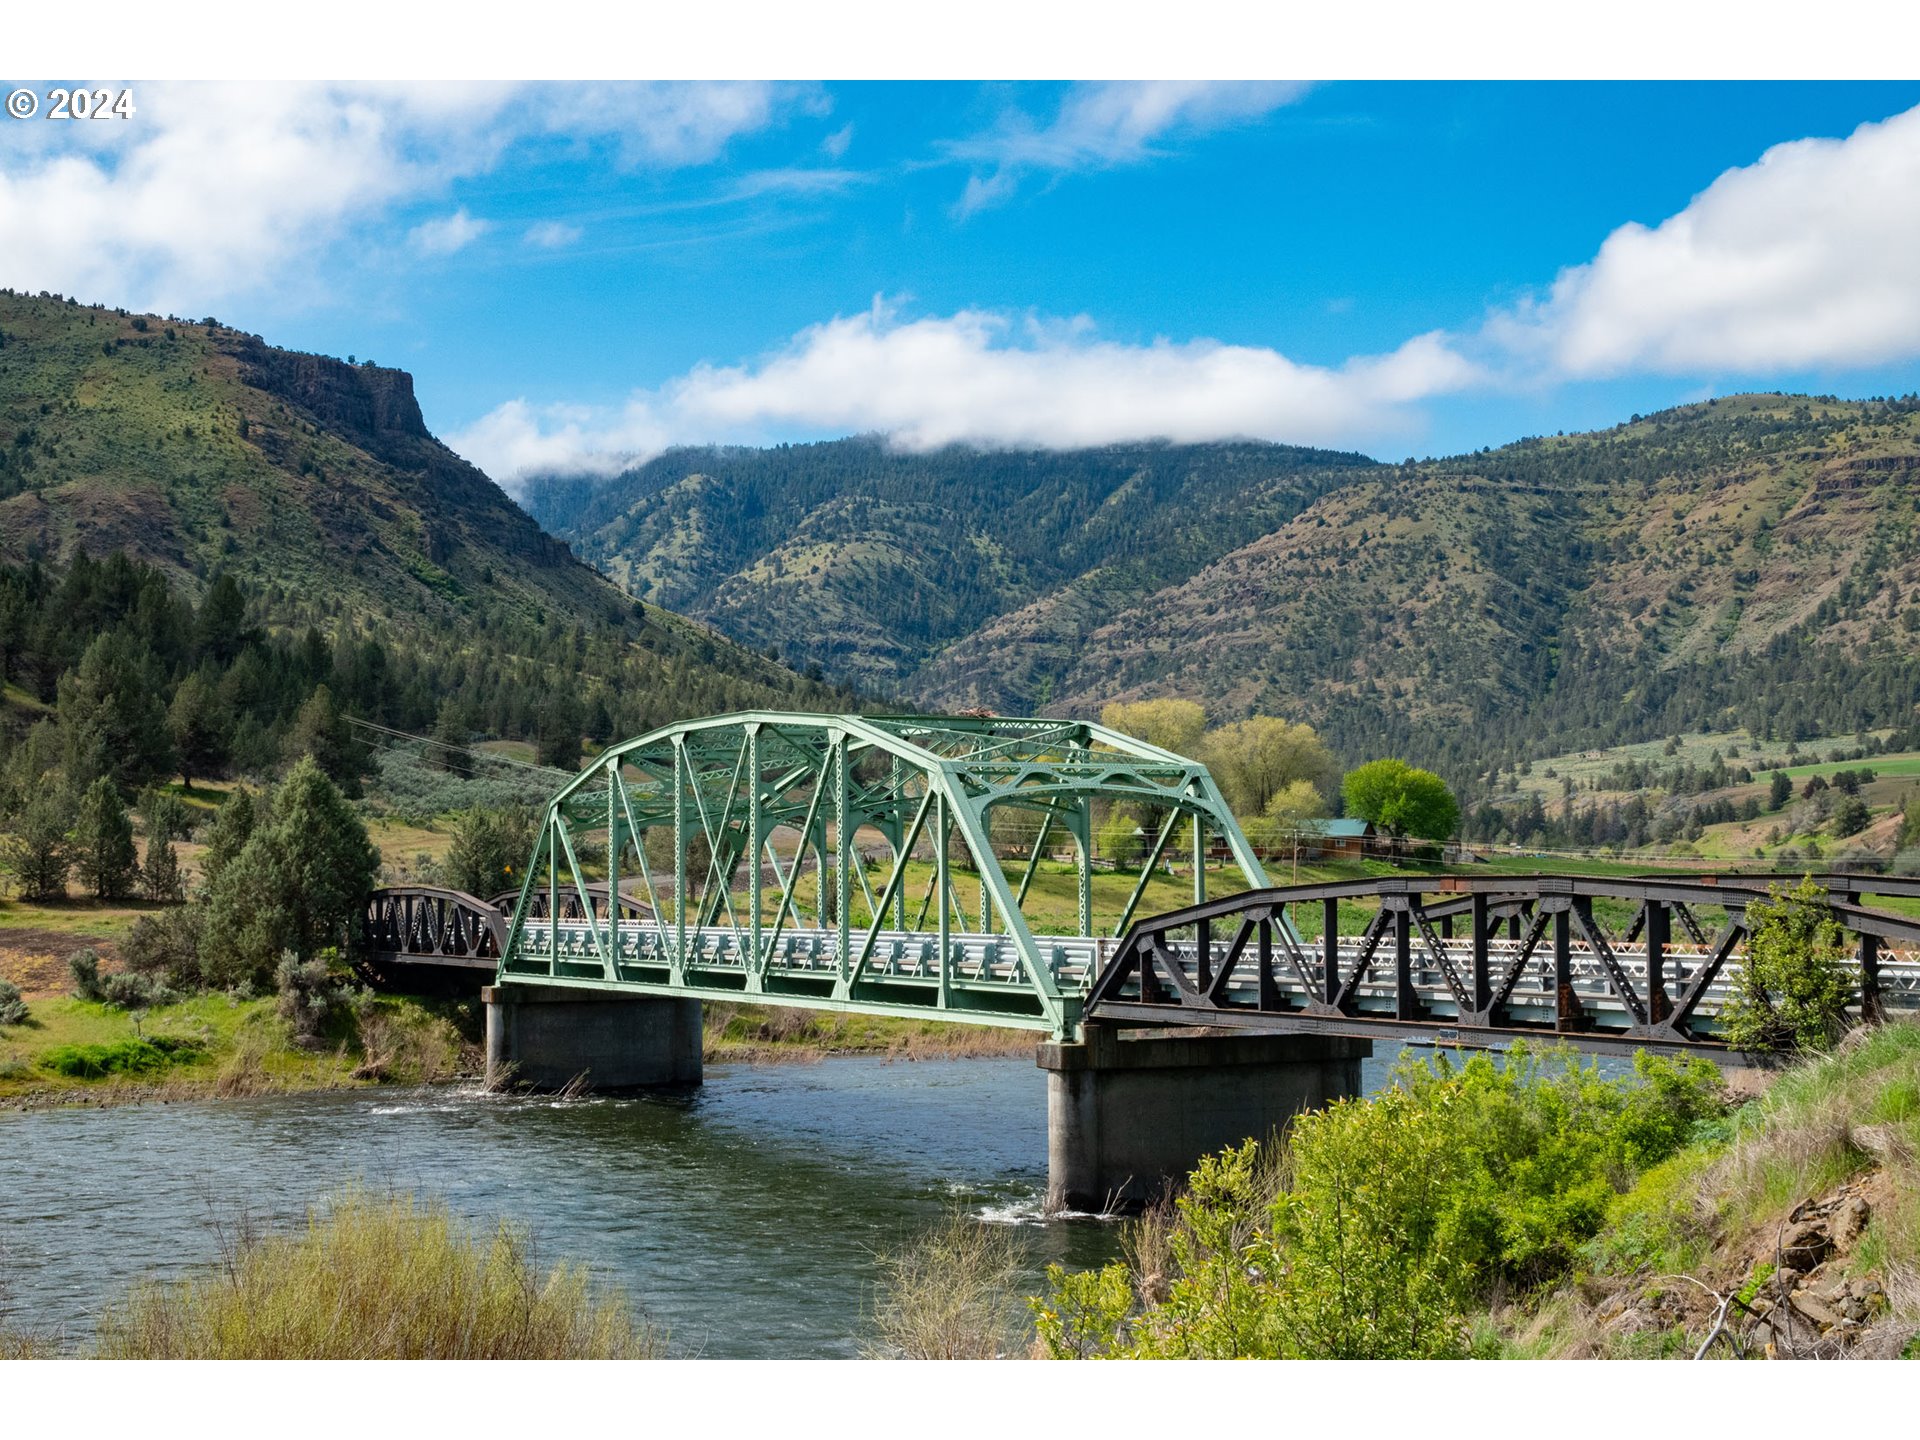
201,450
1746,559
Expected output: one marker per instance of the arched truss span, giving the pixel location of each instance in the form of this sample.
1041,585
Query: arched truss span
819,860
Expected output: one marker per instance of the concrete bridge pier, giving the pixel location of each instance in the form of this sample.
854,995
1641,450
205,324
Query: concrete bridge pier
544,1037
1127,1116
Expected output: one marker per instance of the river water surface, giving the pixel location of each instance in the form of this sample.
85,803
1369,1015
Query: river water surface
744,1218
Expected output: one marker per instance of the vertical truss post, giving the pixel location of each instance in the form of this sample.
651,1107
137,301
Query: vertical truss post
615,839
1871,1009
1482,994
1659,935
843,846
1199,859
553,893
1083,856
1267,997
681,776
944,893
980,871
818,840
1406,1000
1329,951
1566,1007
755,827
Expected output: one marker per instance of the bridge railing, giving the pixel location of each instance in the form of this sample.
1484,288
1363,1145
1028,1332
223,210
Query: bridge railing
897,970
1493,955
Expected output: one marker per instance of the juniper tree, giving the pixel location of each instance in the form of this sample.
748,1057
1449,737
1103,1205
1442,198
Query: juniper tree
103,849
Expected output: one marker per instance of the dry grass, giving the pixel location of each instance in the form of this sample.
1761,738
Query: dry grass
953,1293
1710,1219
378,1277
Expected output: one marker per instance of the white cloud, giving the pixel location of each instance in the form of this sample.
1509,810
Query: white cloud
517,440
448,234
1804,259
1106,124
214,189
983,378
552,235
835,145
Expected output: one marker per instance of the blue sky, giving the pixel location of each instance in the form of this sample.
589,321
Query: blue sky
579,275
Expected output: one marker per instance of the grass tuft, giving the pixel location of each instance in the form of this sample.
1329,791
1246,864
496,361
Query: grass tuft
379,1277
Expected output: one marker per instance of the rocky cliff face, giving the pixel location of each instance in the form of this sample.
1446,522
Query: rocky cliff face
367,402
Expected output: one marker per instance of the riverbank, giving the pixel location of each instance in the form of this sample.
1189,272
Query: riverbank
80,1052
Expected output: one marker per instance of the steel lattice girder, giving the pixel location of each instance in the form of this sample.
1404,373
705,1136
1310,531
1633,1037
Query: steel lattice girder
719,789
1557,973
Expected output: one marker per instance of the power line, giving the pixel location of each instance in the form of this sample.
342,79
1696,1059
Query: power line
453,749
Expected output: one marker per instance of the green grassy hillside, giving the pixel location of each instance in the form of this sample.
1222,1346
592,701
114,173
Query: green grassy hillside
1745,562
872,562
197,449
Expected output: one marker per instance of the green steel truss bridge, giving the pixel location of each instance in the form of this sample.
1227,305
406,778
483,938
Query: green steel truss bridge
822,861
743,842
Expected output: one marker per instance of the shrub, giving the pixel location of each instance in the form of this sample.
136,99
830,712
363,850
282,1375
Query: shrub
311,995
84,965
167,945
1385,1218
135,992
378,1278
1793,990
951,1294
13,1010
132,990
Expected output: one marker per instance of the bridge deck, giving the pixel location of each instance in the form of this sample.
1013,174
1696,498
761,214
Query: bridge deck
901,962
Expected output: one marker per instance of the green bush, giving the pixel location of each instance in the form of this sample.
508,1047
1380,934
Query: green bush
1381,1222
167,946
13,1010
311,995
84,964
1793,990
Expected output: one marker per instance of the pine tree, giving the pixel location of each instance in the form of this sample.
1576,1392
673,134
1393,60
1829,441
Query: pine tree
320,730
220,628
448,751
233,826
40,851
104,852
298,884
111,718
201,733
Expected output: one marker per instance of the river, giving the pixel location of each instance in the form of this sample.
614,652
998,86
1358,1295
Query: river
744,1218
